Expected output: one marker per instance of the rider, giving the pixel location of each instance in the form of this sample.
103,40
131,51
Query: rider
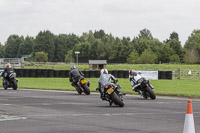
132,73
104,76
74,75
6,72
133,81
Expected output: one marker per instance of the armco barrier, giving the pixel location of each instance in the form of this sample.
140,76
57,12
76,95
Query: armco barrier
88,74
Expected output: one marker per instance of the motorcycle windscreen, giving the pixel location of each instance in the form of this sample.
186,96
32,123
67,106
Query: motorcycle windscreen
104,79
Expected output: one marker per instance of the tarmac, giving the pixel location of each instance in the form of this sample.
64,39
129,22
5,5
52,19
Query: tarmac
42,111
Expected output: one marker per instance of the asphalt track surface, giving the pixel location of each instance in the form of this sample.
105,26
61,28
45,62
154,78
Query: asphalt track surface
37,111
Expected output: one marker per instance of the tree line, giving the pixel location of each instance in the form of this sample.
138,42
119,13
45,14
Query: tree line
98,45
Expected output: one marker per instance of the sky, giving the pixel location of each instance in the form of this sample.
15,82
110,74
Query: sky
121,18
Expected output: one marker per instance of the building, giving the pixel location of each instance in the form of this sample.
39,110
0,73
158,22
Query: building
97,64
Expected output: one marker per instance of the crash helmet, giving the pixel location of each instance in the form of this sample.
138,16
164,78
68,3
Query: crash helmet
73,67
131,72
8,65
104,71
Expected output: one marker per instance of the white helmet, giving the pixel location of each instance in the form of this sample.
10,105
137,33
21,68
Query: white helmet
104,71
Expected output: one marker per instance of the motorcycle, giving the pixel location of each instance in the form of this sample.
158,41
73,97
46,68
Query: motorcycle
83,86
11,81
112,93
144,86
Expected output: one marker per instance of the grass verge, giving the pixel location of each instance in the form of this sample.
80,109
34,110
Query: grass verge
182,88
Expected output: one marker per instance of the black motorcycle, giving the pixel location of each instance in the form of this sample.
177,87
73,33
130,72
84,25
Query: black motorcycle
144,87
83,86
112,93
10,81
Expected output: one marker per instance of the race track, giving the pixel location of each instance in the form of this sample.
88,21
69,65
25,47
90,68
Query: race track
37,111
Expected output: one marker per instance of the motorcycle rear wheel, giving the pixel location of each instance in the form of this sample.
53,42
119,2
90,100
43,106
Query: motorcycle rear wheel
79,91
86,89
117,100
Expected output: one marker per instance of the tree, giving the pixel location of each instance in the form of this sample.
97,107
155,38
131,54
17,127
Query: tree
164,53
145,34
99,34
133,57
193,41
174,59
60,48
45,42
12,46
26,47
41,57
69,57
148,57
1,51
191,56
174,35
83,48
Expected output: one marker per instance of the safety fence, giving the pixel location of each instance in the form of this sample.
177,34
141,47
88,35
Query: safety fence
87,74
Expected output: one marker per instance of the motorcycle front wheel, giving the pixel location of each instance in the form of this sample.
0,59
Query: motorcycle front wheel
151,93
5,86
14,85
117,100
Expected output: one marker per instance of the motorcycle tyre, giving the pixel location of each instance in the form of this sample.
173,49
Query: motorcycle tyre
14,85
5,87
151,93
86,89
117,100
79,91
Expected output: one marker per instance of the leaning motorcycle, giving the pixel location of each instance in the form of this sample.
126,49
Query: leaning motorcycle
11,82
83,86
144,87
112,93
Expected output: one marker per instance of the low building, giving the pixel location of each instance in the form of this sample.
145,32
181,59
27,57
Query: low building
97,64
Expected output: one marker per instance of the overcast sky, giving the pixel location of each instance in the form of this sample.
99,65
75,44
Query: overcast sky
121,18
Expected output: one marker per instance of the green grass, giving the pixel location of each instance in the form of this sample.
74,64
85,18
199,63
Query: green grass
173,67
186,88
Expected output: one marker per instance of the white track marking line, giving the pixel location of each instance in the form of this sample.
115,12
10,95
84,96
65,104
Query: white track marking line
105,114
7,117
96,93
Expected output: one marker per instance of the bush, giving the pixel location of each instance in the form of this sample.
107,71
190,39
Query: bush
41,57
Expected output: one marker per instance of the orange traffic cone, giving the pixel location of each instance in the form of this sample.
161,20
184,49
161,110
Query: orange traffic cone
189,119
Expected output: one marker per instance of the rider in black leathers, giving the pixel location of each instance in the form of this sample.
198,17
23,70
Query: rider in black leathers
104,76
134,84
6,72
74,75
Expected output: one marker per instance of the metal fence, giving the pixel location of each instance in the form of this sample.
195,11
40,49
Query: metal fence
188,74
